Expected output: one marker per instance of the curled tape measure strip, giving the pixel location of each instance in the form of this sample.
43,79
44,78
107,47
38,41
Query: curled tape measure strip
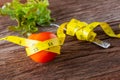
34,46
84,31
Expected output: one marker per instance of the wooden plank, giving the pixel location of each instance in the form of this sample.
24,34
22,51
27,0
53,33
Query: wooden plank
79,60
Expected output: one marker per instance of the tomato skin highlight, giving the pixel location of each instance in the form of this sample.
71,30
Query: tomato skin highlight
42,56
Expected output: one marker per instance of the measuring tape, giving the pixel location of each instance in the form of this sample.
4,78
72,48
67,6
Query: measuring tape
34,46
83,30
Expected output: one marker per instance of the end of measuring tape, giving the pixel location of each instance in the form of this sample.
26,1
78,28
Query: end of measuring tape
85,31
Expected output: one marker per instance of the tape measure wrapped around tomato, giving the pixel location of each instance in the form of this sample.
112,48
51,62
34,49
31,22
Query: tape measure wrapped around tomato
41,47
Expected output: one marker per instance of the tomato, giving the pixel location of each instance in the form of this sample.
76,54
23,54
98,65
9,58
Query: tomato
43,56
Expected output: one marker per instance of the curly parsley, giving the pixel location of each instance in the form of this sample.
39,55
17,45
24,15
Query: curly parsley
28,15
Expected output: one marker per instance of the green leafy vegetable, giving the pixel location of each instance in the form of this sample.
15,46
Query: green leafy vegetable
28,15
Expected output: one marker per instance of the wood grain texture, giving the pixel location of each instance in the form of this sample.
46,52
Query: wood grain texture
78,60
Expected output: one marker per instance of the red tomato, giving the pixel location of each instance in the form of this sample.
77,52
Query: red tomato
43,56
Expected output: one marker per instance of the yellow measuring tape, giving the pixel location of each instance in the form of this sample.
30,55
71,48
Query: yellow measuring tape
82,30
33,46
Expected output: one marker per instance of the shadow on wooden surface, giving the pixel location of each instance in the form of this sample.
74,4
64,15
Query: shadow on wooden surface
78,60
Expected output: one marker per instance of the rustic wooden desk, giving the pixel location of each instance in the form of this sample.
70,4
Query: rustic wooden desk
78,60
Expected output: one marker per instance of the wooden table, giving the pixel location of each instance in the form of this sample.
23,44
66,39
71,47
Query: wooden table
78,60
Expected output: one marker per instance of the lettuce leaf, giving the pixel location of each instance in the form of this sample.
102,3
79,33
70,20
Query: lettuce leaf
28,15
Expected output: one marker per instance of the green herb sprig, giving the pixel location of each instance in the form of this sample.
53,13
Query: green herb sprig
28,15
